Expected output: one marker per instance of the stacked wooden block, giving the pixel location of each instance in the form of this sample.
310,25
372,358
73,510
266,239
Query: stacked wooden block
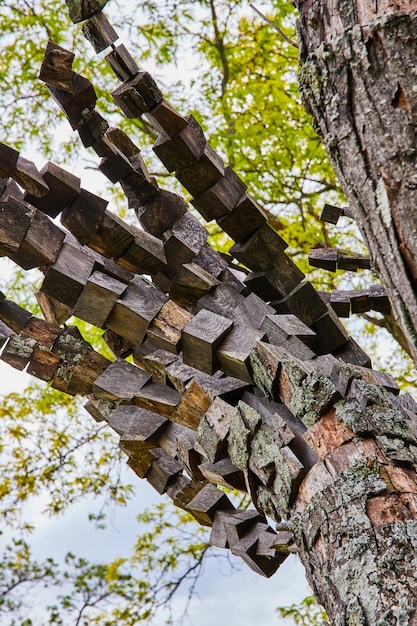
238,363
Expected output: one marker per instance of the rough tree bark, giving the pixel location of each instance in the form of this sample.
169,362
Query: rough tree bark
359,81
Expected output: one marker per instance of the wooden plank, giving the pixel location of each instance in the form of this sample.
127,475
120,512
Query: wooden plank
84,216
98,298
199,177
166,327
99,32
66,278
133,313
120,381
222,197
64,188
56,68
145,255
80,10
122,63
201,338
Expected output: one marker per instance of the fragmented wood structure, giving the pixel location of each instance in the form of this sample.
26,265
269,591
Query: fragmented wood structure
243,377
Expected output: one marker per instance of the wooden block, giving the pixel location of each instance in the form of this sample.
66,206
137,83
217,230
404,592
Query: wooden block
304,302
43,332
223,300
182,150
159,214
201,338
224,474
227,388
80,10
113,236
56,67
190,284
166,327
141,462
144,430
43,364
199,177
64,188
326,258
359,301
212,261
340,303
184,241
28,177
98,298
166,119
252,311
120,381
5,333
331,214
352,263
233,277
192,405
133,313
122,63
70,346
234,352
18,351
222,197
13,315
244,219
15,218
67,277
163,471
351,352
145,255
92,133
258,283
206,503
241,519
42,243
77,102
156,363
53,311
115,167
330,333
84,216
8,161
123,416
158,398
265,360
209,443
260,250
90,367
100,410
179,375
378,299
99,32
278,328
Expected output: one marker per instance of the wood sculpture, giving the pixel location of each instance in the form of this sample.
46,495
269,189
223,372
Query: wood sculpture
243,375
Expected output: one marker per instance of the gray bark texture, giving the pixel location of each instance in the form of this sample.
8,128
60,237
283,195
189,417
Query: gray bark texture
358,78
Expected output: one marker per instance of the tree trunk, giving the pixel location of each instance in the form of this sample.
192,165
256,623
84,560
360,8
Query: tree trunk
358,80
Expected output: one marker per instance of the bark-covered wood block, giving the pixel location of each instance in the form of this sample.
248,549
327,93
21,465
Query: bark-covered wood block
133,313
80,10
66,278
64,188
45,333
5,333
18,351
8,160
70,346
203,174
84,216
42,243
234,352
99,32
122,63
113,236
145,255
201,338
98,298
304,302
261,250
90,367
222,197
166,327
166,119
138,94
77,102
28,177
184,241
244,219
266,361
120,381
